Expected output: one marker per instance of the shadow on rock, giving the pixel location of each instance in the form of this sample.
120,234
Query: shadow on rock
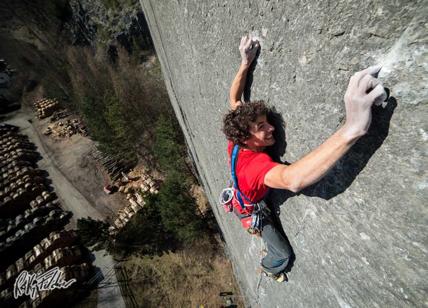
249,81
278,149
352,163
341,176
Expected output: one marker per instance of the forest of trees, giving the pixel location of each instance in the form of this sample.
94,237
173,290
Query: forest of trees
118,109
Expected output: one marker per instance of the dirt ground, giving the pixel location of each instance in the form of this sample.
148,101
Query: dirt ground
81,170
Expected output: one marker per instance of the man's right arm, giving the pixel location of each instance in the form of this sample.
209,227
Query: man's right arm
312,167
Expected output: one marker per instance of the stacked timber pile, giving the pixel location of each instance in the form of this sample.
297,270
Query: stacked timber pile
62,123
7,128
45,107
59,115
136,203
20,181
144,182
66,128
114,167
41,253
44,199
136,186
32,235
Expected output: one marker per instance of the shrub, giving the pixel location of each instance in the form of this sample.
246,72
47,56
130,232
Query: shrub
92,231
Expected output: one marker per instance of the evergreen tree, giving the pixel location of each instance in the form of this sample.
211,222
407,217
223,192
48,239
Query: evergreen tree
167,148
177,209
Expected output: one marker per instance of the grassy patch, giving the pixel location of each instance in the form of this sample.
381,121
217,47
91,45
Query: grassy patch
187,278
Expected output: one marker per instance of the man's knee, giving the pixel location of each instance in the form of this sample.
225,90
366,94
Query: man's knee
286,250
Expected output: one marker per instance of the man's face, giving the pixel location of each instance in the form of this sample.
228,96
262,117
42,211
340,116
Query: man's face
261,134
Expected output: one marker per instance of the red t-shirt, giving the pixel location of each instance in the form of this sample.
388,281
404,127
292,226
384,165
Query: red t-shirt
251,168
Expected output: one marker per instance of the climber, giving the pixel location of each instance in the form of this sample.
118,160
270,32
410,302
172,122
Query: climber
249,133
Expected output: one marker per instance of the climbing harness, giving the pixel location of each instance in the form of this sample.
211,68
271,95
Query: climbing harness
253,222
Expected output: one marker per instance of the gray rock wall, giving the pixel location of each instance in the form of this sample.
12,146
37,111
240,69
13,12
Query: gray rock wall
359,235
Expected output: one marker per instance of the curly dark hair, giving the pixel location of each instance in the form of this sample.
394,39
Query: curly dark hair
236,123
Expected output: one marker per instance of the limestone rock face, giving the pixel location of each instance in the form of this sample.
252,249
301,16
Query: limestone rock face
360,234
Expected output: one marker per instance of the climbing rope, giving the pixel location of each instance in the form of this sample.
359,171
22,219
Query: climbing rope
262,249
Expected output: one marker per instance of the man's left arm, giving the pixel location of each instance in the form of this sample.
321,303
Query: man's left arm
248,49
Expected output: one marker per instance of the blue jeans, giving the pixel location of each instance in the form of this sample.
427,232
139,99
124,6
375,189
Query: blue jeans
278,249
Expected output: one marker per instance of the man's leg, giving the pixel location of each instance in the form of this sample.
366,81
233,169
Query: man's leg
278,249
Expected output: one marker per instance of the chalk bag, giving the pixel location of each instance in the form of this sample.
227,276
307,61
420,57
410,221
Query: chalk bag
226,197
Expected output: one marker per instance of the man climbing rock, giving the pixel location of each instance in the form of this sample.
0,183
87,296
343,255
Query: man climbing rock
254,172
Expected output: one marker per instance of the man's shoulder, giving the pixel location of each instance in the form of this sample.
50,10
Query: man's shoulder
258,163
229,147
250,157
259,157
